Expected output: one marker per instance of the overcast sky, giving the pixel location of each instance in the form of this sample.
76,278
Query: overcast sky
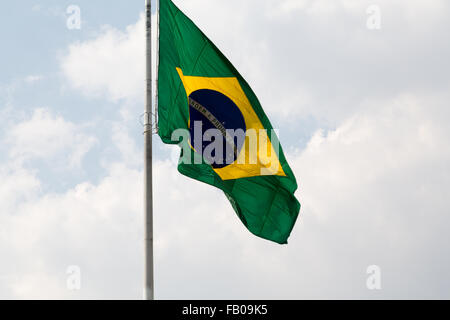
363,117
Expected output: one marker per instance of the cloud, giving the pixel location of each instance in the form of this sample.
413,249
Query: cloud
377,186
302,58
126,145
46,136
111,65
317,58
17,185
91,226
374,191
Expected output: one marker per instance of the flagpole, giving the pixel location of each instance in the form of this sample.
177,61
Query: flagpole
148,133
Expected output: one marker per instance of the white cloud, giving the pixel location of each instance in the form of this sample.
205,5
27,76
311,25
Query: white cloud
374,191
295,54
377,186
111,65
96,227
17,185
126,145
317,58
46,136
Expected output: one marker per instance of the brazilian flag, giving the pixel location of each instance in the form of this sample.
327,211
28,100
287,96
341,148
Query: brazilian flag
200,90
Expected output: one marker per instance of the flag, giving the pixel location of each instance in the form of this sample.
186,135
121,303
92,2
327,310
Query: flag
227,141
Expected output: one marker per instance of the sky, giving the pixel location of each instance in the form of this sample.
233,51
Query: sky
359,91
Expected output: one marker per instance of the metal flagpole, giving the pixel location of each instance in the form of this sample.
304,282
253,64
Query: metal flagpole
148,133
